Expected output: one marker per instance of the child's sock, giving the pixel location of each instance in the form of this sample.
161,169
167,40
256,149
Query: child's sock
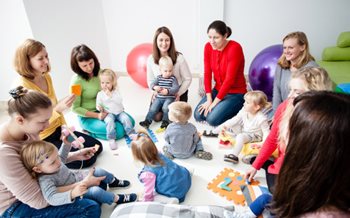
119,183
126,198
112,144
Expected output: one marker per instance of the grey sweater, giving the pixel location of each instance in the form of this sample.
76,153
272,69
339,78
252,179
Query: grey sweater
182,140
49,183
281,84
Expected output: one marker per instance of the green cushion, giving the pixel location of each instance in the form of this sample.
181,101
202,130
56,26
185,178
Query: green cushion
344,40
336,54
339,72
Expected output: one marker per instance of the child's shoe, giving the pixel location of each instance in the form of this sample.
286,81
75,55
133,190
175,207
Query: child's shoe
119,183
224,144
126,198
145,123
113,144
231,158
210,134
166,153
203,155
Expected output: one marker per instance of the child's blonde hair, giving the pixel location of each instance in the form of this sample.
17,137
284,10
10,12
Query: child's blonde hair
180,111
34,153
259,98
143,149
316,79
112,75
165,61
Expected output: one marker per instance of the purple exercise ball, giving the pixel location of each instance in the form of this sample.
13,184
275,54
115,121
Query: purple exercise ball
262,69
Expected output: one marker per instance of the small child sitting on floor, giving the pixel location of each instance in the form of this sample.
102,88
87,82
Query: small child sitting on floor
60,185
249,125
166,87
109,100
181,137
164,180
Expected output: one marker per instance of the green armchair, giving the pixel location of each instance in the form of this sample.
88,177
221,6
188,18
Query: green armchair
336,60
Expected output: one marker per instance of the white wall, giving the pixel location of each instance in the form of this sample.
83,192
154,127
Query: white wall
258,24
15,28
63,24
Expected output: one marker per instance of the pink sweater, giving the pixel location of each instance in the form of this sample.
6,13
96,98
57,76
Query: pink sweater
271,143
15,181
228,69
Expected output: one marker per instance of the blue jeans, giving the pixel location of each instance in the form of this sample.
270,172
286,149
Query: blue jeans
99,193
156,105
227,108
78,209
123,118
97,128
260,204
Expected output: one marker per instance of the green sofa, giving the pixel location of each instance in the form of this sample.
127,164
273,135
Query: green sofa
336,60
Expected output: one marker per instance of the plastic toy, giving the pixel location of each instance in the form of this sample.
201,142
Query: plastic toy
75,89
228,184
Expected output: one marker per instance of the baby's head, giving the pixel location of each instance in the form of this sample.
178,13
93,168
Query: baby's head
144,150
254,101
180,111
108,80
166,66
40,157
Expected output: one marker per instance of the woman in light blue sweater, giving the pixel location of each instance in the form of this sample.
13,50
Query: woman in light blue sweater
296,54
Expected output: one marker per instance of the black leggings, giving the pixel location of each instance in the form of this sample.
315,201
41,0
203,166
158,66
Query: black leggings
54,138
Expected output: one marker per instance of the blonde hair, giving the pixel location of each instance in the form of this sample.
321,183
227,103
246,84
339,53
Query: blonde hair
315,79
144,150
180,110
165,61
305,56
34,153
112,75
28,49
259,98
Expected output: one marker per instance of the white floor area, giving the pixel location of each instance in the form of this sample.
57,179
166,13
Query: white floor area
120,162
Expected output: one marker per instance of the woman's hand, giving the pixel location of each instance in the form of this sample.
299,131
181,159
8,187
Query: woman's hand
79,190
250,174
164,92
177,97
92,180
65,103
102,115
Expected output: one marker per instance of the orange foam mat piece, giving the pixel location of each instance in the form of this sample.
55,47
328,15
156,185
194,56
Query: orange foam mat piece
232,190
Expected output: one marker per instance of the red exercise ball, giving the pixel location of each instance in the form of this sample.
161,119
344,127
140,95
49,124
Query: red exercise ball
136,63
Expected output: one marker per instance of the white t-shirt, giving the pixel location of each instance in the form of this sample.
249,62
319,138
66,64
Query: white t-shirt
112,104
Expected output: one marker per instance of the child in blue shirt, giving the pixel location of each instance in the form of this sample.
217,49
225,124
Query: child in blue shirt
159,175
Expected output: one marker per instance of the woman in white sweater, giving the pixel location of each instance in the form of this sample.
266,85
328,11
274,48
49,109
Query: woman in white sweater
164,45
